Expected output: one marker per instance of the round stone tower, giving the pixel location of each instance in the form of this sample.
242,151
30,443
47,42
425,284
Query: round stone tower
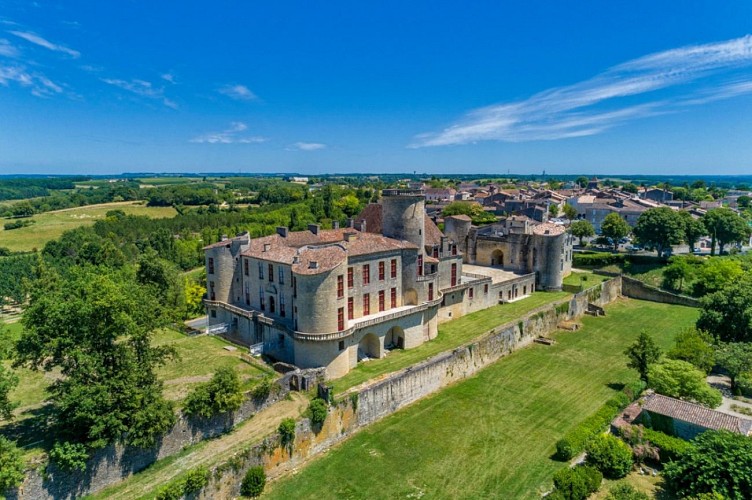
404,213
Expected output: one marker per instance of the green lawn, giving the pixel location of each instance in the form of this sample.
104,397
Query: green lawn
50,225
493,435
590,279
451,334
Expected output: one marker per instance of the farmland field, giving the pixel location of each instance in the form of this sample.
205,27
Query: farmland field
50,225
493,435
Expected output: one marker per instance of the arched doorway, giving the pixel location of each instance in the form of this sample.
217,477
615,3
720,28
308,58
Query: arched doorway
411,297
394,338
497,258
369,347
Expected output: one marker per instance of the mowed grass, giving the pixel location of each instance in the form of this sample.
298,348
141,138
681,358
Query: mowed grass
451,334
50,225
585,279
493,435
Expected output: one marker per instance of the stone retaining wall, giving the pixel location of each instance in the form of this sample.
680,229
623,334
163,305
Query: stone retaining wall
636,289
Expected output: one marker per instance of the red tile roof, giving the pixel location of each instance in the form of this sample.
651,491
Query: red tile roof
696,414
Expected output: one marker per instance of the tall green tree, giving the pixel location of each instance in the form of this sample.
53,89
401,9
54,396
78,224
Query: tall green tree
614,227
727,313
736,359
569,212
695,347
676,273
659,228
679,379
96,326
724,227
642,354
581,229
8,381
694,229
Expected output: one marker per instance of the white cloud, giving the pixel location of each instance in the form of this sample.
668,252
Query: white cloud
307,146
38,40
229,136
7,49
168,77
570,111
142,88
37,83
238,92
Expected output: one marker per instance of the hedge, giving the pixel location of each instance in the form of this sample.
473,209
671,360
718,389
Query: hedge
600,259
574,441
670,447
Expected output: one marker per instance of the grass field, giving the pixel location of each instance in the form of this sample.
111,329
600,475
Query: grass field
590,279
451,334
493,435
50,225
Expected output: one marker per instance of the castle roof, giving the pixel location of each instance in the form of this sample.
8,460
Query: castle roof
373,216
548,229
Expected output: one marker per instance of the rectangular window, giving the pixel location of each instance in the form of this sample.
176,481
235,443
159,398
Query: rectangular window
430,291
485,289
381,271
341,345
420,265
247,298
261,299
341,318
271,273
366,304
435,252
213,313
366,274
394,268
454,275
212,296
282,305
350,308
261,270
340,286
394,297
272,308
471,292
245,267
294,287
350,278
281,275
381,300
211,265
454,249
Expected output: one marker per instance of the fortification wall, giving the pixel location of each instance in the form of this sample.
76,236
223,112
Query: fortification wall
636,289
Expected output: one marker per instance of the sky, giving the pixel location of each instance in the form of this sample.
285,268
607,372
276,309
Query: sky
639,87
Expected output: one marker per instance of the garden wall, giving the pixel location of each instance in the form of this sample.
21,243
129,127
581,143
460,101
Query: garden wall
636,289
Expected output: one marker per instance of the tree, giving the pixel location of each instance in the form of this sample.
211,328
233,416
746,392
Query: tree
576,483
614,227
719,462
695,347
318,410
679,379
736,359
221,394
642,354
716,273
659,228
625,491
253,482
724,227
675,274
349,204
610,455
743,201
553,210
472,209
582,181
569,211
581,229
11,465
694,229
96,326
630,188
8,381
727,313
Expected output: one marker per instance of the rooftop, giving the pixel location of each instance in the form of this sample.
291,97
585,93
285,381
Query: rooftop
696,414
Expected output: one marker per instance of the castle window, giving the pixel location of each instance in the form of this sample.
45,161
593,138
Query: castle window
430,291
420,265
261,270
281,340
261,299
245,267
211,265
340,286
435,252
366,304
350,307
394,268
341,318
294,287
282,305
394,297
247,298
524,290
471,292
381,300
281,275
350,278
454,275
366,274
381,270
213,313
271,273
454,249
211,291
485,289
341,345
271,304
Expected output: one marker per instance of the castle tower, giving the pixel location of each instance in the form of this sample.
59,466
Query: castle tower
404,215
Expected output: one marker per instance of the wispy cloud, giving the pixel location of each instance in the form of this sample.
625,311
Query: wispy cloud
237,92
36,82
7,49
573,111
306,146
231,135
168,77
142,88
42,42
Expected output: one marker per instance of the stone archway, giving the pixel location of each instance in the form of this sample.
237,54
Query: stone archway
394,338
411,297
369,347
497,258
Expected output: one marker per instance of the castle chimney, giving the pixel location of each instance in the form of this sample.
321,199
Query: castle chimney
361,225
351,236
313,264
267,246
335,224
282,231
314,228
350,222
295,259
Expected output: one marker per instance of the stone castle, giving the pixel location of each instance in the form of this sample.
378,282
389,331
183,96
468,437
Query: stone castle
332,298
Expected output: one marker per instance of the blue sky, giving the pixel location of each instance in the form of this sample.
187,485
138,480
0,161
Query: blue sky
389,86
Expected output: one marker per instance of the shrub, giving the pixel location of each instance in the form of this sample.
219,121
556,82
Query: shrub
576,483
287,431
634,389
624,491
18,224
69,456
669,447
253,482
220,395
263,389
318,410
584,259
11,465
574,441
190,482
610,455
